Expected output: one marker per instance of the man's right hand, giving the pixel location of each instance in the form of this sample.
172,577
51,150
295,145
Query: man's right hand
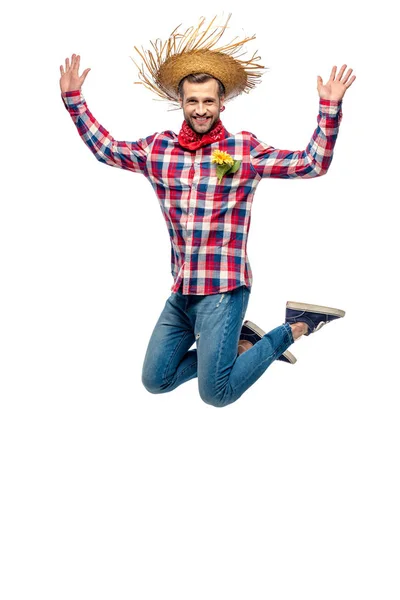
70,79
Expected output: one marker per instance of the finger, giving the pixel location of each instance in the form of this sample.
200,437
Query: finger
349,72
342,70
61,70
67,64
351,81
333,73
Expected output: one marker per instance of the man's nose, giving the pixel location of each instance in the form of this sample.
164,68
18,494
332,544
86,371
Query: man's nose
201,109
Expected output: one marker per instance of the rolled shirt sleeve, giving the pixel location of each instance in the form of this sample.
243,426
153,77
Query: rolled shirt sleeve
314,161
124,155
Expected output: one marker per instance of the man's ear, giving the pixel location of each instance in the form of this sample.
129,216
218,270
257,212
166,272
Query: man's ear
180,100
222,104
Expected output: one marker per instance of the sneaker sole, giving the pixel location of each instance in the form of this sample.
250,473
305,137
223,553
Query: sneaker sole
254,328
291,358
325,310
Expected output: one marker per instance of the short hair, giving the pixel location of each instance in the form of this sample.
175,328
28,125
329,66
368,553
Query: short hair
200,78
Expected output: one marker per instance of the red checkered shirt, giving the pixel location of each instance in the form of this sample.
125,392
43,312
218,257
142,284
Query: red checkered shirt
208,222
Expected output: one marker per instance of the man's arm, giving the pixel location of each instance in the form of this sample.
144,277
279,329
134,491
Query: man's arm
125,155
314,161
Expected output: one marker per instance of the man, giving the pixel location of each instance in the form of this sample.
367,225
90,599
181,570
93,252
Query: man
205,179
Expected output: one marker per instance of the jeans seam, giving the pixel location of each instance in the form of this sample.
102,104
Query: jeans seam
223,340
188,367
277,353
244,289
172,356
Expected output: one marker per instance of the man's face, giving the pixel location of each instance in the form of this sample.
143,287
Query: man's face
201,105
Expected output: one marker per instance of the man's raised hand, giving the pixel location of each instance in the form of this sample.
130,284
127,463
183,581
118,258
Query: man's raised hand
70,79
336,86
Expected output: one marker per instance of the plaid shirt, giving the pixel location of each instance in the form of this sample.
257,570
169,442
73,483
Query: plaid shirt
208,222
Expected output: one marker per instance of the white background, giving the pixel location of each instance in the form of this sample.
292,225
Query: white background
109,492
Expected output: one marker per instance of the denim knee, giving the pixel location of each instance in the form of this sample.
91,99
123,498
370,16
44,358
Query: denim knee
217,399
153,383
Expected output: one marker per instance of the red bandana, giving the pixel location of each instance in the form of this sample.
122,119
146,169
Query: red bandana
191,140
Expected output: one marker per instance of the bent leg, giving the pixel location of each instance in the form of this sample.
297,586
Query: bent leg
168,361
224,376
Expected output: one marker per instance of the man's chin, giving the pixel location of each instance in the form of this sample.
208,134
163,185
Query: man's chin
201,129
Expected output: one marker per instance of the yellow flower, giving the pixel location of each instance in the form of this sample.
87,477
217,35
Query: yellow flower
226,165
222,158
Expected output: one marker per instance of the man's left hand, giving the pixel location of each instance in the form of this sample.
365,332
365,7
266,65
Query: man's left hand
336,86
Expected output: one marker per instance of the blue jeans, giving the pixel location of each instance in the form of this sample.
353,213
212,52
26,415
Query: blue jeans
214,322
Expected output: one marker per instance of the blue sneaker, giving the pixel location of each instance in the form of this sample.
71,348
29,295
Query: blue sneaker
313,315
253,334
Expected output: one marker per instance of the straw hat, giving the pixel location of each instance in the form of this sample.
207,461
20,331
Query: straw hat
195,51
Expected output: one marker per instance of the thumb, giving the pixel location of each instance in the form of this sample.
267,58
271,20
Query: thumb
84,74
319,82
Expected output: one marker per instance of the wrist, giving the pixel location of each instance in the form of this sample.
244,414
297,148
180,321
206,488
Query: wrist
73,100
330,108
330,101
69,93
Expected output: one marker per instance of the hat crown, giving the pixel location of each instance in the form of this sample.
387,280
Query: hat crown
196,51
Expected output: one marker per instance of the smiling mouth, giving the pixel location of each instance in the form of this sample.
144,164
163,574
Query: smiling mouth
201,120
